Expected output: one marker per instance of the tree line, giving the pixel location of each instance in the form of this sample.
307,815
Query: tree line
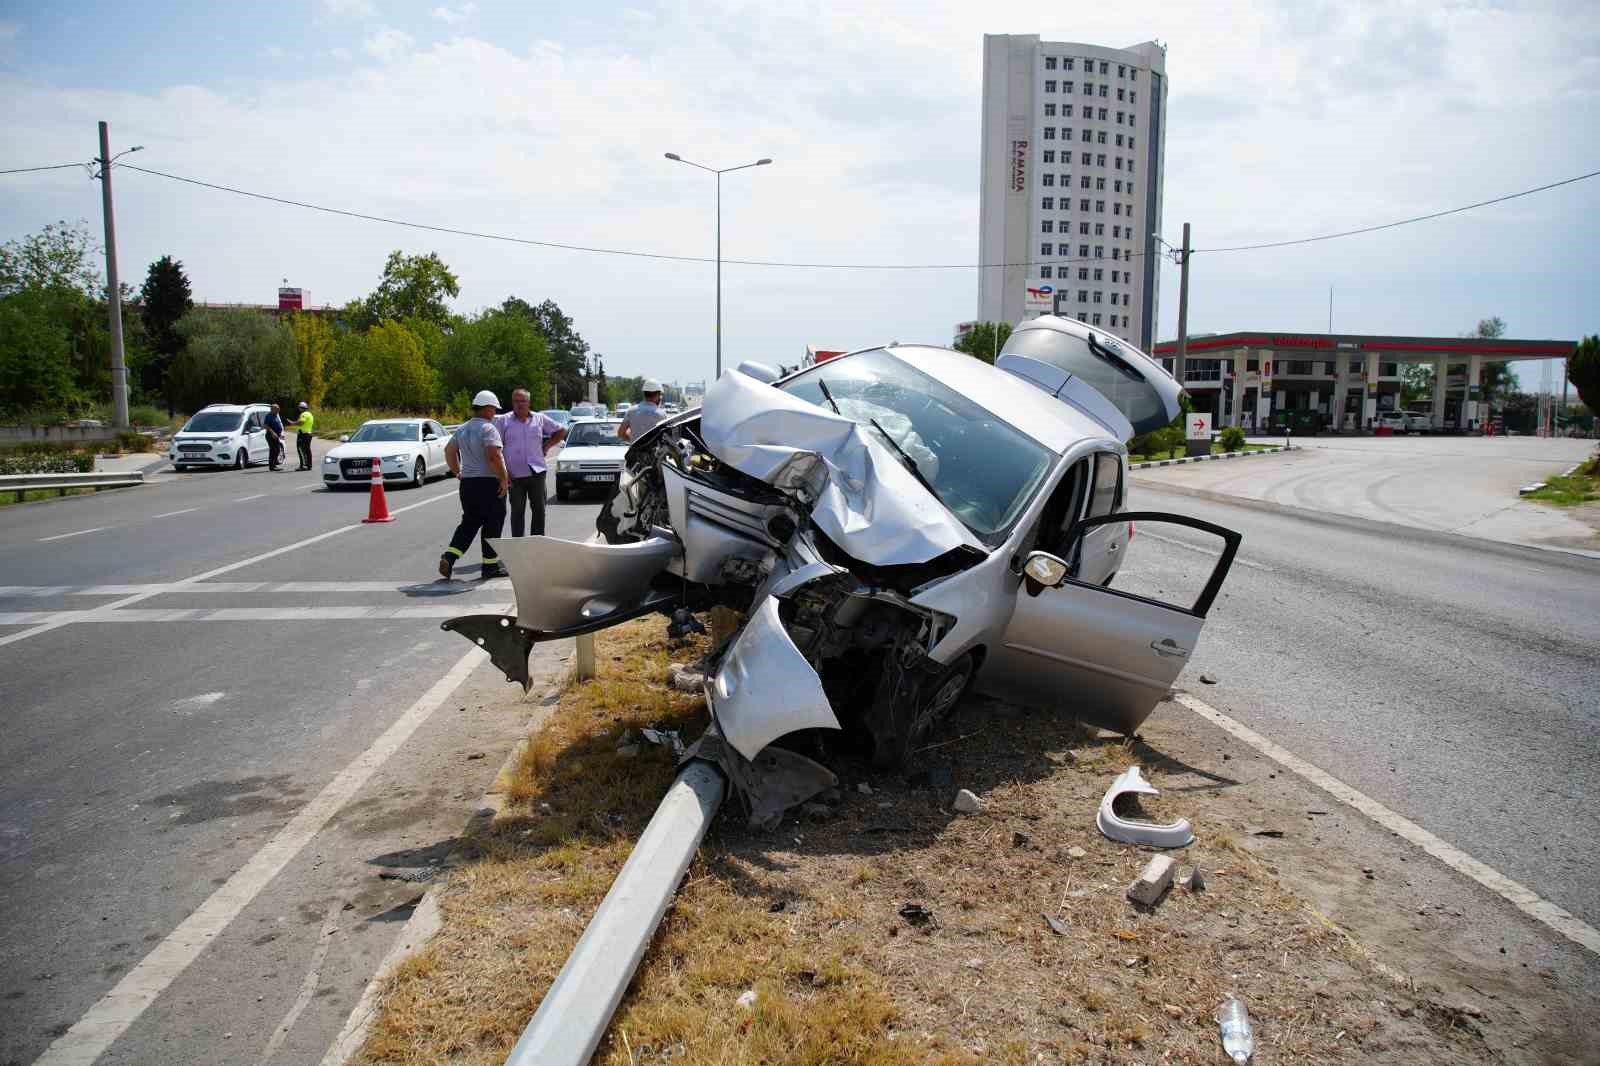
400,347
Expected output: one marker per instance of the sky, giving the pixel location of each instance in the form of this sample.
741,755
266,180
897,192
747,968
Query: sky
550,122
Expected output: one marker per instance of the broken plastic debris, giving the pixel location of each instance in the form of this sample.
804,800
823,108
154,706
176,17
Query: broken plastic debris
1176,835
665,737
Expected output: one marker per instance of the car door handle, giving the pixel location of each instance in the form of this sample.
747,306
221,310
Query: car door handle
1166,646
1111,548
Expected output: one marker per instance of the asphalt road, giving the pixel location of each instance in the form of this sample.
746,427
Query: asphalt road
153,750
1452,679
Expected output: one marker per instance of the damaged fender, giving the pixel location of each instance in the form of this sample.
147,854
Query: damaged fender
764,687
1176,835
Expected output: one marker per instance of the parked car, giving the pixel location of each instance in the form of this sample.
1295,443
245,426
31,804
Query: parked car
1396,421
222,435
558,415
590,458
409,449
1417,422
895,525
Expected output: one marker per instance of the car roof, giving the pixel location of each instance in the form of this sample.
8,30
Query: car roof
600,421
386,421
1009,398
232,408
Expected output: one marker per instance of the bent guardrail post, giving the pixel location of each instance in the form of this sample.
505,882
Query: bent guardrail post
575,1012
585,657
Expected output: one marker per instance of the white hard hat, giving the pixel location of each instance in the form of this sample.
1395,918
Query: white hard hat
486,398
650,385
303,404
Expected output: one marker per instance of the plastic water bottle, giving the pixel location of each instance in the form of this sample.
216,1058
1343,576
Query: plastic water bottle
1238,1038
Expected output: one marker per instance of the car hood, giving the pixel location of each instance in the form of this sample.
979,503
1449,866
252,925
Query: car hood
593,453
369,449
863,499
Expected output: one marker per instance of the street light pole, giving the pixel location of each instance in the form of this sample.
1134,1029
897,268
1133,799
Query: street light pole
676,158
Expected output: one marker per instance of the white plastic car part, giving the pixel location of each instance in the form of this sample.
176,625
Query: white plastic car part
1176,835
564,583
765,688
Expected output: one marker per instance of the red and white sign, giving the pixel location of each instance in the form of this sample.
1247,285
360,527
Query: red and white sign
1197,426
1019,166
291,299
1039,296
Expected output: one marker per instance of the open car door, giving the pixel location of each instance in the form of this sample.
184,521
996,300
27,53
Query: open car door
1110,654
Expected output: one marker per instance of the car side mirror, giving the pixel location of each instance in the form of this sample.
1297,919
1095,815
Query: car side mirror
344,439
1043,571
431,436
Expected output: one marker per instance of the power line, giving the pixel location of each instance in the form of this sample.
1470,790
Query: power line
32,170
605,251
1404,221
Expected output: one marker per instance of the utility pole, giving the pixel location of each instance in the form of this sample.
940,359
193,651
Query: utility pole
1183,305
119,369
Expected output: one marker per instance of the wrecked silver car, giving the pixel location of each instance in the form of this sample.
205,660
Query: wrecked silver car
894,526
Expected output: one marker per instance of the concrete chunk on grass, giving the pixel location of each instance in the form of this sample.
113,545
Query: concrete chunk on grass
1152,882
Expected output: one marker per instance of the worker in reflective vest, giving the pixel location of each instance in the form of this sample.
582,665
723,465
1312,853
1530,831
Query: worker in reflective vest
302,438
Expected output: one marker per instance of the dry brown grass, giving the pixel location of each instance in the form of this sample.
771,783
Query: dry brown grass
807,916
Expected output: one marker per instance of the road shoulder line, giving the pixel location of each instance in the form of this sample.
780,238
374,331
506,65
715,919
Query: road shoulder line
102,1024
1520,896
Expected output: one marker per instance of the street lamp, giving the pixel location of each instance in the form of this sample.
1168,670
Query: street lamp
676,158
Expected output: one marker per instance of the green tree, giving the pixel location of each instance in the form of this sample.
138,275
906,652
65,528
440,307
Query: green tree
1416,383
568,350
164,299
234,356
496,350
1583,370
61,256
984,339
623,390
1498,380
313,345
385,367
36,370
412,286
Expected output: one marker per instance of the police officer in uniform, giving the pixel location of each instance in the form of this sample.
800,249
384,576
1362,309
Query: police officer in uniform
476,456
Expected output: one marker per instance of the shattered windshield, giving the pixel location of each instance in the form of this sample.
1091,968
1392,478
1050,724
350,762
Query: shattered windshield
979,467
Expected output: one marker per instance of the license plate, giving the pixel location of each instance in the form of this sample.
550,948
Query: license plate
599,477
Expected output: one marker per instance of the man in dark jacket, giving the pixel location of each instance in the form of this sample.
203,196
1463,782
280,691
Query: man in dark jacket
274,424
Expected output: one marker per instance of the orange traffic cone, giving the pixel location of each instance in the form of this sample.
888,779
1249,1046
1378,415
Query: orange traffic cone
378,510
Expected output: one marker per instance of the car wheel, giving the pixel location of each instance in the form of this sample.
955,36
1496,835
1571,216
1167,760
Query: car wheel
420,475
900,723
239,460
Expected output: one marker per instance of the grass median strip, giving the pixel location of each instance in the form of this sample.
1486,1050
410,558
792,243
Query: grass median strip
880,927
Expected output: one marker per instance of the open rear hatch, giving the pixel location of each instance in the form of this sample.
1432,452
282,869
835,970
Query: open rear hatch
1107,379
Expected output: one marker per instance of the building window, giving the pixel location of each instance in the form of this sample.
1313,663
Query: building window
1115,253
1130,162
1119,118
1130,148
1133,75
1049,110
1202,369
1095,318
1047,226
1099,274
1047,180
1066,133
1116,231
1105,90
1048,203
1100,207
1105,68
1083,229
1102,114
1388,370
1086,159
1066,86
1133,98
1087,136
1046,248
1121,94
1066,110
1116,208
1083,296
1088,89
1050,86
1083,205
1049,62
1100,160
1083,182
1067,63
1119,145
1049,133
1116,185
1100,184
1050,157
1044,271
1100,251
1119,162
1101,138
1083,273
1083,251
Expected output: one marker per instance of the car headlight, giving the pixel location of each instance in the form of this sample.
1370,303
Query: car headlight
396,458
330,459
562,467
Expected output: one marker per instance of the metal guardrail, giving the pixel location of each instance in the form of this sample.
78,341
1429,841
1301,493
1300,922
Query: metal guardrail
22,483
575,1012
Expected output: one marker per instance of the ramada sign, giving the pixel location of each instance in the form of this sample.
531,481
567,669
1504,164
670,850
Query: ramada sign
1019,166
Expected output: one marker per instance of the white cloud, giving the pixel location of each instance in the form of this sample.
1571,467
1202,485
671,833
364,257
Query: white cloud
349,8
388,44
451,16
1278,129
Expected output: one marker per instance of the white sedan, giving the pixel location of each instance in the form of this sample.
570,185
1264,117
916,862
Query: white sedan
410,450
590,458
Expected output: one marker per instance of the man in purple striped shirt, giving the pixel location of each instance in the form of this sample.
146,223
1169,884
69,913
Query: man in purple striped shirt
528,435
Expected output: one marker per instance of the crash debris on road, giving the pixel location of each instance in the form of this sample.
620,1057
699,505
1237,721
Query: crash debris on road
1129,785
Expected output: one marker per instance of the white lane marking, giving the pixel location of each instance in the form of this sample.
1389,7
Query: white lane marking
79,533
351,613
84,616
247,499
118,1009
425,921
1519,896
1204,551
308,985
204,699
170,514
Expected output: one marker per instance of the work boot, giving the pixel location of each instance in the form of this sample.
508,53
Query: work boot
447,564
492,570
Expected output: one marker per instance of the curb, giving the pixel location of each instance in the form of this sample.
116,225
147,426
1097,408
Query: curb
1204,458
425,920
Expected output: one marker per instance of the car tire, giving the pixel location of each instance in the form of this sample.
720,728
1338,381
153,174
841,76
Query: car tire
901,723
239,460
419,475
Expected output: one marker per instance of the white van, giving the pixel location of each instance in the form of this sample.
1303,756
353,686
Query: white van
222,435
